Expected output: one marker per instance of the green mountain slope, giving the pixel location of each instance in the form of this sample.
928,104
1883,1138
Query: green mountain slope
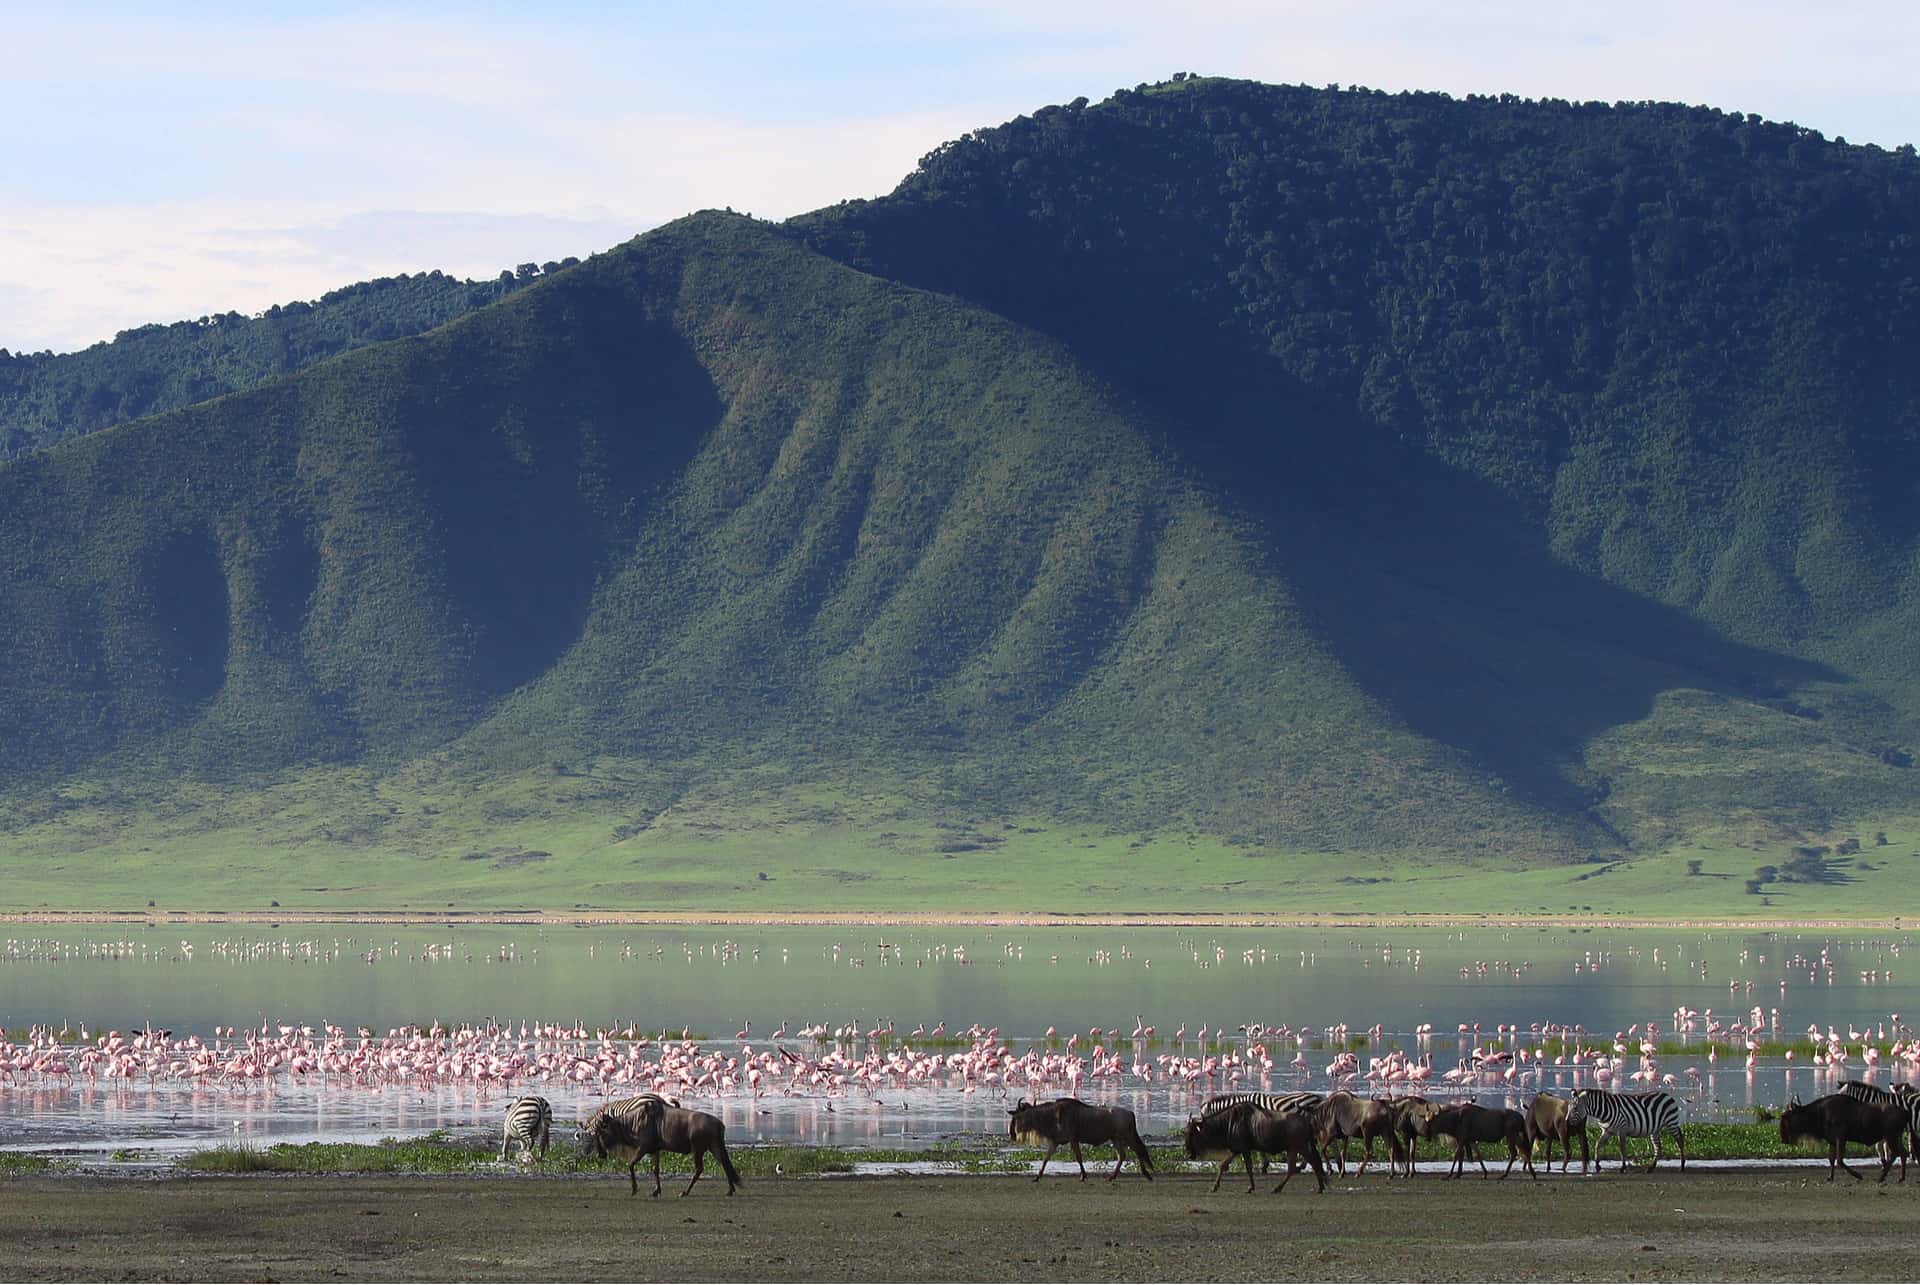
1111,516
1578,364
46,398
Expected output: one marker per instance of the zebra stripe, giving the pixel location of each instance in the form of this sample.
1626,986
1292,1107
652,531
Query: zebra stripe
626,1108
528,1120
1632,1115
1902,1095
1276,1103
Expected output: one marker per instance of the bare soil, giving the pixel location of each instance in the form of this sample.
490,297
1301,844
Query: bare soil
1724,1225
153,918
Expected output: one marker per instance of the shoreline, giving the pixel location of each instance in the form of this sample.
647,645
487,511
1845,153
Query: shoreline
543,918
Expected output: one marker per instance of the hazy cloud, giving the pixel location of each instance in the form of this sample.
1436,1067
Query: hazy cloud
171,165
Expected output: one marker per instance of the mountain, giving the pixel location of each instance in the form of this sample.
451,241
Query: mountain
46,398
1223,490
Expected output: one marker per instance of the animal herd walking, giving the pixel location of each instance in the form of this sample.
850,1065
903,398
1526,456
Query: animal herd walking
1309,1130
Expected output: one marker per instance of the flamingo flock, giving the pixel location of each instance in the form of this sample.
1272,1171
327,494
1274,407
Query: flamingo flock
927,1063
852,1058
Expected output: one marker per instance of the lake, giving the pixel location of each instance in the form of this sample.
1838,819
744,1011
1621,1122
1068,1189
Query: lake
584,1010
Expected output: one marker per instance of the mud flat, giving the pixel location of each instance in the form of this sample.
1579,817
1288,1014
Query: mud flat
1753,1225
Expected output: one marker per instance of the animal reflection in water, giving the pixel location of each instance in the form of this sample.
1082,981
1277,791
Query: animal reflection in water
1071,1122
652,1126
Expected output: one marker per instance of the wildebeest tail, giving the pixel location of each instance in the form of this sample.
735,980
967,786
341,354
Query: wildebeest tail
726,1163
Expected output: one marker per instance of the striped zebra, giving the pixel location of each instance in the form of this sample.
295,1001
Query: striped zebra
1632,1115
625,1108
529,1120
1277,1103
1902,1095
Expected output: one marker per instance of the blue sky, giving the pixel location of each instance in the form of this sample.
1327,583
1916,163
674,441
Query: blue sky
167,161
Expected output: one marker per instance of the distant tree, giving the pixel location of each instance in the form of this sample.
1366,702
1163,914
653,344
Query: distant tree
1694,867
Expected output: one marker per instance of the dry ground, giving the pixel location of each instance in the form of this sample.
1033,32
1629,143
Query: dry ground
1697,1226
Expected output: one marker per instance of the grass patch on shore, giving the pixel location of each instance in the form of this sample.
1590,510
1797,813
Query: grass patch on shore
439,1153
23,1164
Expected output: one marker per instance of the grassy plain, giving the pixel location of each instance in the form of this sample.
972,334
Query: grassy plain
569,842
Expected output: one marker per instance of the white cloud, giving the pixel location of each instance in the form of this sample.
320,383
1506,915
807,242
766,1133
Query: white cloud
170,166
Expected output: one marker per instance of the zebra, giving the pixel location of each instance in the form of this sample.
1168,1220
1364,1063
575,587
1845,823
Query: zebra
528,1120
625,1108
1902,1095
1277,1103
1632,1115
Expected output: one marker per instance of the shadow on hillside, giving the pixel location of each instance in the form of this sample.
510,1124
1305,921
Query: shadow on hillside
540,469
1439,595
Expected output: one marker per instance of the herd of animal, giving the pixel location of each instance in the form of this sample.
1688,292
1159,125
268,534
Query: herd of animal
1310,1130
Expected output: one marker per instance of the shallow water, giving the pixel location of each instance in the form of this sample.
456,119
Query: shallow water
710,984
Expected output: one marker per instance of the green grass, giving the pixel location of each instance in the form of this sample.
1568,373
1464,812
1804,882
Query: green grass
823,846
437,1153
22,1164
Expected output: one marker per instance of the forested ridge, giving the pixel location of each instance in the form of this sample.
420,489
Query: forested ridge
46,398
1292,470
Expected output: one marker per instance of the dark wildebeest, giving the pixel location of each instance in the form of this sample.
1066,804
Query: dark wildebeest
1469,1124
1245,1128
1278,1103
1840,1118
1412,1116
1070,1122
1344,1116
1549,1117
652,1127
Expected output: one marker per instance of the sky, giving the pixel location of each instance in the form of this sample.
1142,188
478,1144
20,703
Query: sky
170,161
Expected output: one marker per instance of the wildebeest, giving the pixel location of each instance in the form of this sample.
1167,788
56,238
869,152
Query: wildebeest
652,1127
1840,1118
1278,1103
1244,1128
1469,1124
1070,1122
1412,1116
1344,1116
1550,1117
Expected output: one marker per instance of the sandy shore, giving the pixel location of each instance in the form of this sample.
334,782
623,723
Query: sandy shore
910,919
1671,1226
